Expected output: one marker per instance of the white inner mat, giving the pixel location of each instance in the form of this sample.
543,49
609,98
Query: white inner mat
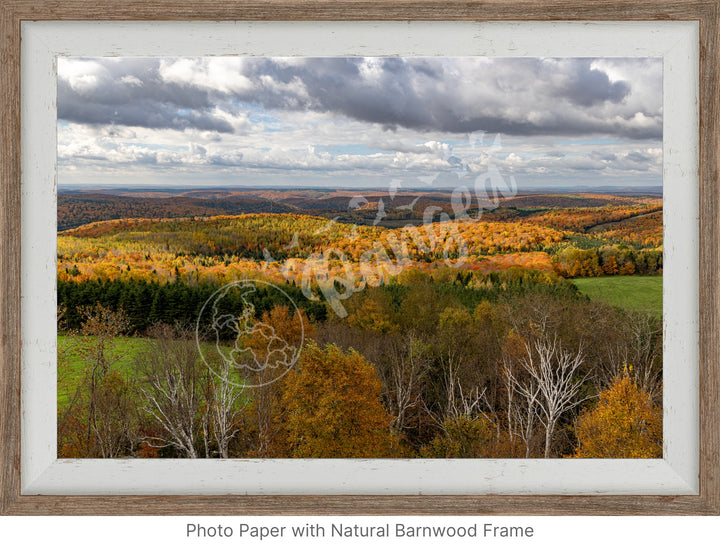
676,473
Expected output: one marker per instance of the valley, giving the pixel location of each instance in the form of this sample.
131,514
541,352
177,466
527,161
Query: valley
440,312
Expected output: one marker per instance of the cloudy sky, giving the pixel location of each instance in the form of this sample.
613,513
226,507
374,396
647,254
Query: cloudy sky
359,121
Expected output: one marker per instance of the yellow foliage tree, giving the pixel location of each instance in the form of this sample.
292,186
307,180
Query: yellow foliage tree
370,315
624,424
462,437
333,407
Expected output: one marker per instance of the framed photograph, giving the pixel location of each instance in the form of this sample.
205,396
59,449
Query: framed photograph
359,258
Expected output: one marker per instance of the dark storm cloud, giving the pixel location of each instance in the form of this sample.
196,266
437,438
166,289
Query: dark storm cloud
130,92
586,87
516,96
143,114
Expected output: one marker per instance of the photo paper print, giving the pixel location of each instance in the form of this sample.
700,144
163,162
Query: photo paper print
359,257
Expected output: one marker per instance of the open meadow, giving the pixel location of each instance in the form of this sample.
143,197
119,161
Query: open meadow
642,293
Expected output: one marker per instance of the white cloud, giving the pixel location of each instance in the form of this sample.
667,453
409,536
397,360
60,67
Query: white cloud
351,118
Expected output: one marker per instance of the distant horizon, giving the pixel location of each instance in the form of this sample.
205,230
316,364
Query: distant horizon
63,188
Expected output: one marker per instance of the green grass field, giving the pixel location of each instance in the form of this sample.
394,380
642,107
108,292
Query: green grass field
71,371
72,360
643,293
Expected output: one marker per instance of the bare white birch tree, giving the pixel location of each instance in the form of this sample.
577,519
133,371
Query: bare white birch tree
522,406
403,382
554,382
639,346
226,404
174,394
457,348
460,401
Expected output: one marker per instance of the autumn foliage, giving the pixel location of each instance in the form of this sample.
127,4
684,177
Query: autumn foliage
293,247
333,407
624,424
448,336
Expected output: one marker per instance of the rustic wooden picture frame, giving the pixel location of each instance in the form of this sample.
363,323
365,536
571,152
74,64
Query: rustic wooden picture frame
13,12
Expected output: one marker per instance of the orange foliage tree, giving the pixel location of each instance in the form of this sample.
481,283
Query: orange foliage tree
624,424
279,334
334,408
